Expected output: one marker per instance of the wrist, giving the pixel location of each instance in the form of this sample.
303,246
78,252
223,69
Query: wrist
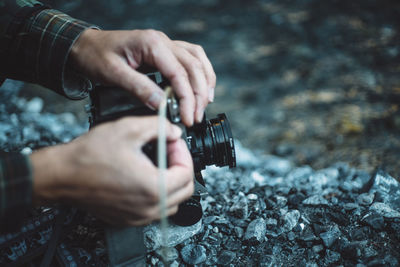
50,168
77,54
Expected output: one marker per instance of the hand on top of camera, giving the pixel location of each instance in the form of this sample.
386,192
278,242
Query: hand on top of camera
106,172
112,57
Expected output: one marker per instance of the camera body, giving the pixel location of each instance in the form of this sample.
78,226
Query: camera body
209,142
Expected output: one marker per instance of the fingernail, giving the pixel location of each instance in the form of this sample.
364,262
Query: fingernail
211,94
154,100
199,115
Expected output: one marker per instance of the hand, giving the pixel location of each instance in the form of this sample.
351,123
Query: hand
106,172
111,57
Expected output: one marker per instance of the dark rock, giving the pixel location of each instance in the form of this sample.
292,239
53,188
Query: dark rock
338,217
291,236
226,258
318,248
315,200
395,229
209,219
388,189
240,207
350,206
318,228
280,201
255,232
193,254
332,256
290,220
369,252
271,223
384,210
352,250
170,253
360,233
296,199
329,237
239,231
374,220
233,244
366,199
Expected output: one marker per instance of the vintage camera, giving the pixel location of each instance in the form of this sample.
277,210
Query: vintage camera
210,142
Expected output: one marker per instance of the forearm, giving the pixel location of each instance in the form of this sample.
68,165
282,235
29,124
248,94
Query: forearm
15,189
49,168
35,47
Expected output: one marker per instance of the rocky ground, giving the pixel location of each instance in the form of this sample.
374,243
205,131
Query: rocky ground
265,212
314,83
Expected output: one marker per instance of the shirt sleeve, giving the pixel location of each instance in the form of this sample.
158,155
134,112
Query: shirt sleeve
15,189
35,45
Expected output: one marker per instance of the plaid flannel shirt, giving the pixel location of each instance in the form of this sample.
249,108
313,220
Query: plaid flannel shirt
35,42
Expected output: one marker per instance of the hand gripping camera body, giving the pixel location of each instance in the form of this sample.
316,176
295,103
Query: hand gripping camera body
209,142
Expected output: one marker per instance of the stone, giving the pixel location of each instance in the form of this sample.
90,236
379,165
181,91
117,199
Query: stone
35,105
193,254
332,256
387,189
277,166
290,220
296,199
170,253
350,206
318,248
374,220
329,237
271,222
233,244
226,257
384,210
176,235
291,236
255,232
239,231
315,200
366,199
281,201
240,208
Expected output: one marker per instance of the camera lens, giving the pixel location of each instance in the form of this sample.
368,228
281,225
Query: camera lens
211,142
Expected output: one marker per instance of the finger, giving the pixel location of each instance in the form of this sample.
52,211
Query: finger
122,75
181,195
198,52
180,172
197,79
144,129
166,62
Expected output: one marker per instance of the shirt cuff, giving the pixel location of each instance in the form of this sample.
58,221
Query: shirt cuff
54,34
15,188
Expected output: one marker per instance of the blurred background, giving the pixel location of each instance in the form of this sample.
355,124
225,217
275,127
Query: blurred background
314,81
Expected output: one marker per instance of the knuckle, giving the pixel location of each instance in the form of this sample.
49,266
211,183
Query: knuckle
153,195
149,213
154,36
179,73
198,49
113,68
197,65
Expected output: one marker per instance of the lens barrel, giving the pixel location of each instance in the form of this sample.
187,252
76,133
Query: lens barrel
211,142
